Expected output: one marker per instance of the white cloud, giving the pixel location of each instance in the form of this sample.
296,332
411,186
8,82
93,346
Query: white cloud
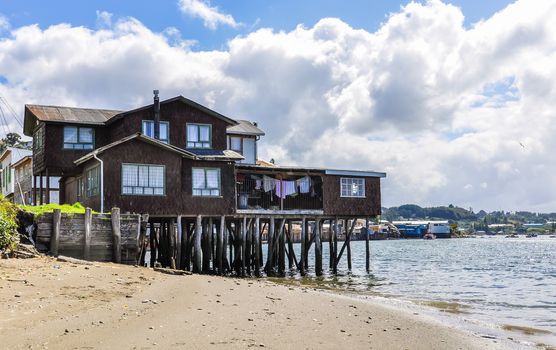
453,114
104,19
212,16
4,23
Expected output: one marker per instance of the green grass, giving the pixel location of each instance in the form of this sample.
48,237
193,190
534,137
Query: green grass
38,210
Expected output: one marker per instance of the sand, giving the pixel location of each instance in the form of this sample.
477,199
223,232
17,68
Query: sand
47,304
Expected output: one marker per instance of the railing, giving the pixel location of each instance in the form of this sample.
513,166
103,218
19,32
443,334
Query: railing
252,194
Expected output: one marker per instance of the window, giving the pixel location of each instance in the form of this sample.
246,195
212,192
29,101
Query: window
235,144
143,180
78,138
206,182
148,129
93,181
38,140
199,135
352,187
80,188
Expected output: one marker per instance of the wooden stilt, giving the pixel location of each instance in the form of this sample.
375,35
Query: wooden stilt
281,250
225,249
348,234
87,241
348,238
367,248
256,238
307,244
179,240
303,247
245,268
318,247
220,252
41,194
270,254
205,242
172,239
330,245
335,246
197,257
289,234
47,194
152,242
34,190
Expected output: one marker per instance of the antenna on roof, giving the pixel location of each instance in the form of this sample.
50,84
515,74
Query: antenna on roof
156,115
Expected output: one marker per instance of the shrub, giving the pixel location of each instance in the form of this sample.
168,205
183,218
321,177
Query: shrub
8,225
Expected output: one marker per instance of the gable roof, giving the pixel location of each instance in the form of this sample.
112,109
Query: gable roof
140,137
245,127
179,98
22,161
15,153
59,114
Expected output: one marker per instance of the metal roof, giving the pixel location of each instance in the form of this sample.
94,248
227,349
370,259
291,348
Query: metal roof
245,127
216,154
138,136
65,115
297,169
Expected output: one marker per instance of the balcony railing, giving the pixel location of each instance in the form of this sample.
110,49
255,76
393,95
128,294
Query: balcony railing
284,193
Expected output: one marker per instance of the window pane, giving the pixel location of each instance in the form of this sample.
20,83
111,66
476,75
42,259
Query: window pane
198,178
148,190
70,134
235,143
156,176
212,178
86,135
164,132
129,175
143,180
215,192
192,133
204,133
148,128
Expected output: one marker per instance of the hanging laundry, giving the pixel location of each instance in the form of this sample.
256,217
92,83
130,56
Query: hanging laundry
279,192
289,188
258,184
268,183
304,184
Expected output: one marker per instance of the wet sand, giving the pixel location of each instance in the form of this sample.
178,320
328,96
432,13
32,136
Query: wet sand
47,304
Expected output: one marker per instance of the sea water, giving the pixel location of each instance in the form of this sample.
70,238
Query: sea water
505,282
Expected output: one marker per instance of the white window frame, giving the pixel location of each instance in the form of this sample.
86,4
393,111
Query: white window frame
135,189
90,190
198,144
143,129
206,191
349,182
78,145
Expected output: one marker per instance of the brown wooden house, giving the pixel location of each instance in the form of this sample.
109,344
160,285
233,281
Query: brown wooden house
178,158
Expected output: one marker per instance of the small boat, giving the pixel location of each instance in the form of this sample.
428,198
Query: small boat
429,236
513,235
531,235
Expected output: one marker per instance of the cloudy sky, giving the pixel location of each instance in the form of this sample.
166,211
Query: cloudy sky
456,101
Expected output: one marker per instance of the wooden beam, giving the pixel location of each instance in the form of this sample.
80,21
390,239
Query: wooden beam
345,243
55,239
303,247
117,236
256,244
198,262
318,247
220,248
367,248
87,241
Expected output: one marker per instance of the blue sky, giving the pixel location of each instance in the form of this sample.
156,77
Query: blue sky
454,102
253,14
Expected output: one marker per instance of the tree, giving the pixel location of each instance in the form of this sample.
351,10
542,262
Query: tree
11,139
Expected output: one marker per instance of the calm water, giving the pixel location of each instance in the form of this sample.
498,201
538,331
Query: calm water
497,280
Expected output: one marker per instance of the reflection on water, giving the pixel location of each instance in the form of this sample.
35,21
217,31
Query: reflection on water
496,280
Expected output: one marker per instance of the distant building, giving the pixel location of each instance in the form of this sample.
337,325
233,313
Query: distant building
10,156
23,183
418,228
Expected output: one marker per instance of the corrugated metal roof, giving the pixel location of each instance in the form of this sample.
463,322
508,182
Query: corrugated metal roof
326,171
216,154
71,114
245,127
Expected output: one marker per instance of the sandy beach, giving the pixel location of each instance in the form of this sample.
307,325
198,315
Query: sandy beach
48,304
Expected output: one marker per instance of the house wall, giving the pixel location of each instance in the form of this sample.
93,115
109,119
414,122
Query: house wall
58,160
178,199
178,114
336,205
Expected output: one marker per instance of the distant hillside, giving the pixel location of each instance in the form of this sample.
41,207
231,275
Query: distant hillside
413,211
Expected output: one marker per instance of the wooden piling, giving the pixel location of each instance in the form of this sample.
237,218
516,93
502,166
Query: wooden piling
172,236
87,240
270,253
281,249
117,236
303,247
330,245
197,264
152,239
55,239
257,238
367,248
348,238
220,251
289,235
335,246
318,247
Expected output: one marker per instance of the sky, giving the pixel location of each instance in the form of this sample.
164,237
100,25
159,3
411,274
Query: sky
454,100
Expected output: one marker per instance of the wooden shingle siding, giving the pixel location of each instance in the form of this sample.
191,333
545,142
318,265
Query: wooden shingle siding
334,204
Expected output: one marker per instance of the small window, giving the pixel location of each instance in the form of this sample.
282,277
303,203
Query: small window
199,135
235,144
206,182
143,180
78,138
352,187
148,130
93,181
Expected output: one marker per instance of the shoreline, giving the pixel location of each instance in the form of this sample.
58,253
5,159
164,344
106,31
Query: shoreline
45,303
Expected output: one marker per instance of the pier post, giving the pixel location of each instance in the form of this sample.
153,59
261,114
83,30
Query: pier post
270,254
335,246
256,238
303,247
55,240
220,252
172,239
290,245
197,264
117,236
367,248
152,239
87,242
348,238
281,250
318,247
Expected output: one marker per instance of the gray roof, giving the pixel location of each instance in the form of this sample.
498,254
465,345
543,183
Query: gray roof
216,154
297,169
245,127
65,115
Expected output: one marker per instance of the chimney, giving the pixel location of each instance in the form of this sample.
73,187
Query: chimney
156,115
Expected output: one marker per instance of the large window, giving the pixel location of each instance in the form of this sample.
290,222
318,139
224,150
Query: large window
352,187
78,138
145,180
148,129
206,182
199,135
93,181
235,144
